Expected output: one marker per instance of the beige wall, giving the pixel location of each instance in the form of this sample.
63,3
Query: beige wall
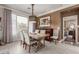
55,19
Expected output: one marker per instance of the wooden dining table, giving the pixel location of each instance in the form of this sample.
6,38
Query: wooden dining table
39,37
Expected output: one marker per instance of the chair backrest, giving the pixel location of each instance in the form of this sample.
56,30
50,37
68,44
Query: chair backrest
56,32
26,37
42,31
71,33
1,33
21,36
37,31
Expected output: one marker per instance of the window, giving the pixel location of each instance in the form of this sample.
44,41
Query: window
22,23
18,23
14,23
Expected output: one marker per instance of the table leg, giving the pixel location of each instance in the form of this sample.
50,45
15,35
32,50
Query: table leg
44,42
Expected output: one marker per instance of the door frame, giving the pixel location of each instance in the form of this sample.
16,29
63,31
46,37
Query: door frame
76,26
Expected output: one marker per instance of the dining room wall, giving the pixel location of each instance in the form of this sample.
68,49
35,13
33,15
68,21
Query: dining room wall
71,12
57,17
55,20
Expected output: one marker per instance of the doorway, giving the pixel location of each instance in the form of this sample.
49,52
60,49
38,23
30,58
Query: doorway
32,26
70,24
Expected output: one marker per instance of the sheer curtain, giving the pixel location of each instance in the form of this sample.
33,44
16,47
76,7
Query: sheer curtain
14,27
18,23
22,24
7,26
10,25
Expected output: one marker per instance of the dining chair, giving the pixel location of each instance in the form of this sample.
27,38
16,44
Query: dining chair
43,32
29,41
22,39
56,34
71,36
36,31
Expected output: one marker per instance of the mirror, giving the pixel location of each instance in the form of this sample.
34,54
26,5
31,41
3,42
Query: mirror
71,26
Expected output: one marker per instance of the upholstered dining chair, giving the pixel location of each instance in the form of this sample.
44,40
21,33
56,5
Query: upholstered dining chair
56,34
22,39
43,32
29,42
71,37
36,31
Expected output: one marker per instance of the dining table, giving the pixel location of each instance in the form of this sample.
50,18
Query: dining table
40,37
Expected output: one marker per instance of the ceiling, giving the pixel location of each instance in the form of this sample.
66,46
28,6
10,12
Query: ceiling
38,8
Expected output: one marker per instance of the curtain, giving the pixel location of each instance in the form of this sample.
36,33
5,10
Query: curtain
7,26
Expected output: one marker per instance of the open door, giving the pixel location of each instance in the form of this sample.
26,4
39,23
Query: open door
69,24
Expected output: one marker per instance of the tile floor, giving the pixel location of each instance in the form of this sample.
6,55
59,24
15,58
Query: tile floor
50,48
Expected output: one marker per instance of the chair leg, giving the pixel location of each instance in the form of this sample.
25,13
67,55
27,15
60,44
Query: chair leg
25,46
29,48
37,47
44,42
55,42
21,42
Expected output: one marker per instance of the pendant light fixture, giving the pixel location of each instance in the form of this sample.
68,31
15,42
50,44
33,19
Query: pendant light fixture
32,17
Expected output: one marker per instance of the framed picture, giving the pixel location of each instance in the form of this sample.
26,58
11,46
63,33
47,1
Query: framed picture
45,21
